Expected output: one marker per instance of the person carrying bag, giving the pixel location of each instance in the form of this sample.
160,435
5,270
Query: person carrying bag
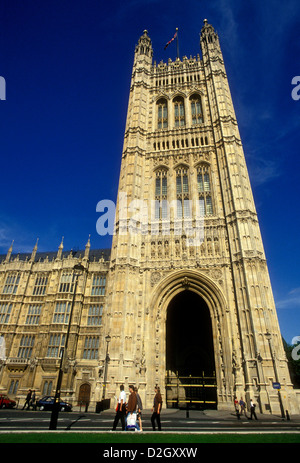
131,409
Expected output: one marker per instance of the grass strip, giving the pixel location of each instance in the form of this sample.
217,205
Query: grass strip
134,438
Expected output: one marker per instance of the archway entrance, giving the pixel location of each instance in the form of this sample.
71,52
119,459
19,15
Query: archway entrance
84,394
190,362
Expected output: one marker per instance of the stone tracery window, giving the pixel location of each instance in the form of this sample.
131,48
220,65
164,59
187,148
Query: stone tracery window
11,283
162,114
161,192
91,346
179,112
182,192
40,285
204,189
196,109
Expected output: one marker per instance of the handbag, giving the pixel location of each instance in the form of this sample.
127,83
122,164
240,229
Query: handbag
131,420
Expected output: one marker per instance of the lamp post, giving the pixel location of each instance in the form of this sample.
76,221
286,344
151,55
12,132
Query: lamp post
107,339
269,339
56,405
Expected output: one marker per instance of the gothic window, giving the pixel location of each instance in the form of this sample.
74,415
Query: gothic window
162,114
67,283
26,345
13,388
11,284
204,190
179,111
5,311
182,192
33,314
196,109
40,285
47,388
56,344
95,315
91,345
161,186
62,312
98,286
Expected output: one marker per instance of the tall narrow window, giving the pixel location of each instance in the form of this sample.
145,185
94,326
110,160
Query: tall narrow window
204,190
40,285
196,109
13,388
162,114
182,192
26,345
47,388
11,284
5,311
67,283
33,314
179,111
91,345
161,187
95,315
98,286
56,344
62,312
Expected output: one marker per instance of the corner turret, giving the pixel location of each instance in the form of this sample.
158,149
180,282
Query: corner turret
143,51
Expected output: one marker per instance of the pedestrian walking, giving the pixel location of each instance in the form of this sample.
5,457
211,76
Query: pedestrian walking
32,401
243,407
131,409
236,407
27,400
157,404
120,410
139,409
252,410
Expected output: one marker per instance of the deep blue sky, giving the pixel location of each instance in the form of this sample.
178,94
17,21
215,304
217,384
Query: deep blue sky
67,66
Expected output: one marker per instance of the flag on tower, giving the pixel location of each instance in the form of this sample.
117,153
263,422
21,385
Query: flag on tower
170,41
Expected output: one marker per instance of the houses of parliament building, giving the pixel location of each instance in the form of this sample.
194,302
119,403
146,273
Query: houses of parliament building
182,303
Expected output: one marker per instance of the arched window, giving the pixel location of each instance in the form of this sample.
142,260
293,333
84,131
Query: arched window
204,189
179,111
182,192
196,109
91,345
162,114
47,388
161,191
13,388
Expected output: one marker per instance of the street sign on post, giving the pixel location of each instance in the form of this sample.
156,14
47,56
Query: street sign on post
276,386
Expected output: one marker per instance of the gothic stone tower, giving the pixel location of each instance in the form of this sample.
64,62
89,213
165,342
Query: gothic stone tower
183,305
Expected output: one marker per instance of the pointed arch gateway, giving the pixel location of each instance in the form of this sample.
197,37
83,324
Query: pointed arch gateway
192,338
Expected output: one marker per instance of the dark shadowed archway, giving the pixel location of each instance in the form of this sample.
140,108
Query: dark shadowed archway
189,351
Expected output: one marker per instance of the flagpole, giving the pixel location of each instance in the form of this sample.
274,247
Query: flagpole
177,43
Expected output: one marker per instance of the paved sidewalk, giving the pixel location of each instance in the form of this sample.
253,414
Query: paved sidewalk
222,415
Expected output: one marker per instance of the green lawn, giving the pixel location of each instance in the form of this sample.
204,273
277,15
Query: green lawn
147,438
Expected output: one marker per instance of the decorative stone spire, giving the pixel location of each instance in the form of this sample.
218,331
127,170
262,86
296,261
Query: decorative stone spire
32,258
208,33
144,50
60,249
87,249
9,252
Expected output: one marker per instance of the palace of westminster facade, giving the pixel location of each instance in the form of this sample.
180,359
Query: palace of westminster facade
196,317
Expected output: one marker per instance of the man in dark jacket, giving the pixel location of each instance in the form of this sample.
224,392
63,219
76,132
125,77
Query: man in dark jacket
27,401
132,403
157,404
